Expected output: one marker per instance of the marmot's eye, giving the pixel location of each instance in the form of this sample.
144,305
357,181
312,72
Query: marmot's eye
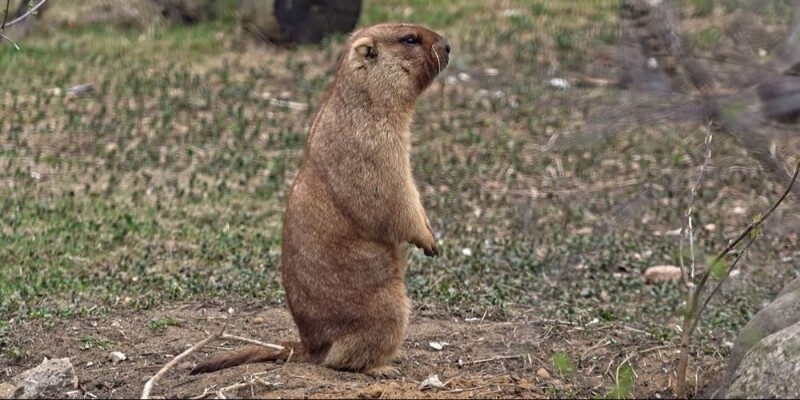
410,40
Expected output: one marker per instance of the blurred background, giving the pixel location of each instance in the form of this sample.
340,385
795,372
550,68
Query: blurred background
147,146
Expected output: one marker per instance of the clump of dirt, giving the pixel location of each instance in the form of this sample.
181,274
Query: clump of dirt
471,358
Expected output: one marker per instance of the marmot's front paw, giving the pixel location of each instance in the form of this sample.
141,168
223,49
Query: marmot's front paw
428,245
432,251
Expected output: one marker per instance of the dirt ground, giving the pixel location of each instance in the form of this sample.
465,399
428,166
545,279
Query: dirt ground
478,358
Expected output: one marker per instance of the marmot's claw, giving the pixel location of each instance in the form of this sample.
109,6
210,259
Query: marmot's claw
432,252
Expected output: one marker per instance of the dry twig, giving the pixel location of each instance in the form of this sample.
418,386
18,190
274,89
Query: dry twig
251,341
152,381
495,358
688,276
220,335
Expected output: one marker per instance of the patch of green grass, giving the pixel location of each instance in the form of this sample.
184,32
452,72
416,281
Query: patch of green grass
88,342
161,325
6,347
563,364
625,380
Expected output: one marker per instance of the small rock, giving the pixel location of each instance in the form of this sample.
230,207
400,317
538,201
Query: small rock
559,83
662,273
491,72
710,227
512,12
463,77
117,356
438,345
433,382
543,374
79,90
258,320
51,378
466,251
7,390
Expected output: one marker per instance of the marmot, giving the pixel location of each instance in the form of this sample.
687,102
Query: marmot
353,205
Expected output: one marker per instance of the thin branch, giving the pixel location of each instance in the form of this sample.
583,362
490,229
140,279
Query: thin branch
688,277
26,14
251,341
496,358
753,225
692,316
150,383
4,37
5,14
721,281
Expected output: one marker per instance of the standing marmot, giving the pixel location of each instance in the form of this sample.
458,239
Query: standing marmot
353,205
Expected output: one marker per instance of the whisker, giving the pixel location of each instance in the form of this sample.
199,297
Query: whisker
438,61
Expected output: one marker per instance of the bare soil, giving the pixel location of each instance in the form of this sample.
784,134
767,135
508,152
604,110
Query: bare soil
479,358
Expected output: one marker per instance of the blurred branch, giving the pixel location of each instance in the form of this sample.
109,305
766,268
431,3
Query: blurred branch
741,113
688,276
4,37
5,14
30,11
20,17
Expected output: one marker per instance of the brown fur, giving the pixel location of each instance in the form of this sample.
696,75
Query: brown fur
352,207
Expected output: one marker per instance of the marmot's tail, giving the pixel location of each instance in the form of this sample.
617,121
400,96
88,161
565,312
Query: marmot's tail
250,354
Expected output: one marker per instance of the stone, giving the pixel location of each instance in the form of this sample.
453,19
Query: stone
662,273
543,374
782,313
771,369
7,390
778,315
50,379
116,356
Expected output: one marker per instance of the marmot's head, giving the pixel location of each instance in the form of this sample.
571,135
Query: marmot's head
394,60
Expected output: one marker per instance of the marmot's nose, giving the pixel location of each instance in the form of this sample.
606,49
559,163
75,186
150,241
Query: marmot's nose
446,46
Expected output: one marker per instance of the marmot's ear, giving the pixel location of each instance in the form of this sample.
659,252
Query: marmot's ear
364,48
